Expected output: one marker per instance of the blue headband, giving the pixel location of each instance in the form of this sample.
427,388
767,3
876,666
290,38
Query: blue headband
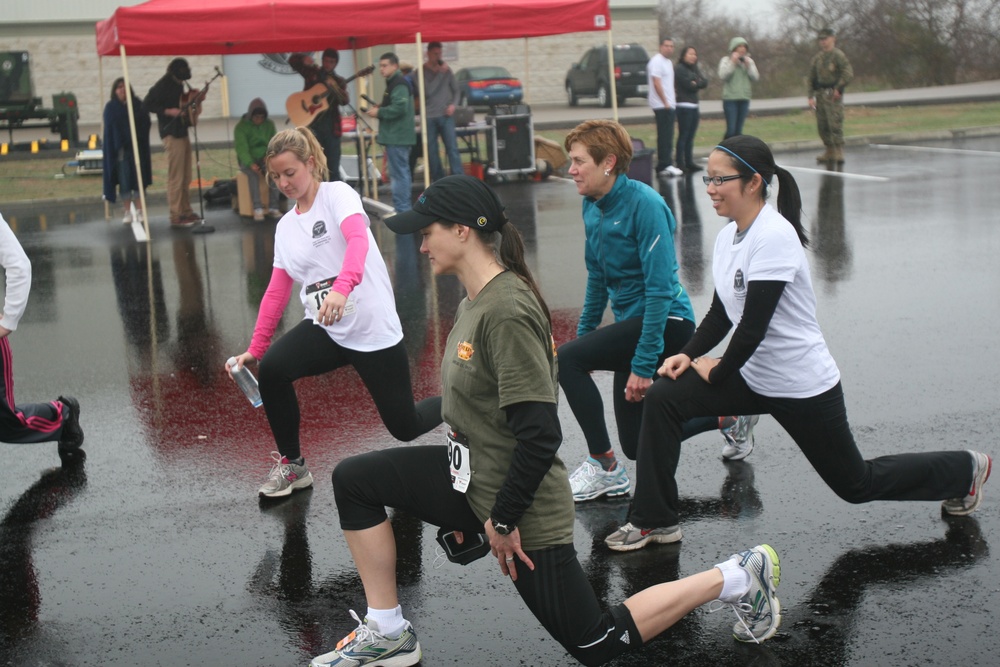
739,158
763,182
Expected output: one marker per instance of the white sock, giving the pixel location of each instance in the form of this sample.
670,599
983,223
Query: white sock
735,581
390,622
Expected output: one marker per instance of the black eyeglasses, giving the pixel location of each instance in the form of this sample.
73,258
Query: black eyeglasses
719,180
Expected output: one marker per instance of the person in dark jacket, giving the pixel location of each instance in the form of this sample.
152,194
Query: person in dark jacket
120,174
688,80
164,99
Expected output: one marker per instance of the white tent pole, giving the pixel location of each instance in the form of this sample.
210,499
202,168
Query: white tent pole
611,77
527,71
364,174
423,111
135,142
100,87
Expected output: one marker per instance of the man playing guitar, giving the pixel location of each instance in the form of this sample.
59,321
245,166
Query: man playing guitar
326,125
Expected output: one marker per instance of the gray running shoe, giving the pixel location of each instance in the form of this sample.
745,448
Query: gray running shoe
591,481
759,610
285,477
981,467
630,538
738,434
367,646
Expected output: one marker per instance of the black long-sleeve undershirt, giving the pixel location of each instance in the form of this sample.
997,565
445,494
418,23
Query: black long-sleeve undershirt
761,302
536,427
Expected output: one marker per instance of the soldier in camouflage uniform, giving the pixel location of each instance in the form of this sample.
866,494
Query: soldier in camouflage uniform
829,74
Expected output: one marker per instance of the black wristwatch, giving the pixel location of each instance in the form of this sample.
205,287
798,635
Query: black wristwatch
501,528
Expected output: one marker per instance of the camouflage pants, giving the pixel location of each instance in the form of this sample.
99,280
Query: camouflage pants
830,118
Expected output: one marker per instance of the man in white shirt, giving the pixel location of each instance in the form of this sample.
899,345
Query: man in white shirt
663,100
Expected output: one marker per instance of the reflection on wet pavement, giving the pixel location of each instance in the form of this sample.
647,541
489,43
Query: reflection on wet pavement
164,534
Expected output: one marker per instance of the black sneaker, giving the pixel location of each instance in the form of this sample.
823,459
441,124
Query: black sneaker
71,437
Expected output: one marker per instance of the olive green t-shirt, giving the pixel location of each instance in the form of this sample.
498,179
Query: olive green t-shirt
500,353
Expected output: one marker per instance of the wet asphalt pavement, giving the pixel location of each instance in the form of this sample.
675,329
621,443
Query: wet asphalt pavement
157,552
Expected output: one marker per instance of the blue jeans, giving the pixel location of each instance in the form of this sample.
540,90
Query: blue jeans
664,137
445,127
402,180
736,114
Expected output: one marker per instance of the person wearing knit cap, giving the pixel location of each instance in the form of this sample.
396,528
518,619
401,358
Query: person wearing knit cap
251,137
738,72
164,99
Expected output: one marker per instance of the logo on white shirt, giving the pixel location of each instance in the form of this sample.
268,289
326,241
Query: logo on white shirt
739,285
319,229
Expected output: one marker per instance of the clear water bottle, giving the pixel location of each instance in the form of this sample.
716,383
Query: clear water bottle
247,383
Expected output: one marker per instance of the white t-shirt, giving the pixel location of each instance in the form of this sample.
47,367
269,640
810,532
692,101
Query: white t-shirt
663,69
310,248
792,361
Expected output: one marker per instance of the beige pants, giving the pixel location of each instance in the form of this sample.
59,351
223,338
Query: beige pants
178,151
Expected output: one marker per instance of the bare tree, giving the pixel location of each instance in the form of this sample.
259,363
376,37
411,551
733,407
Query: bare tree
908,42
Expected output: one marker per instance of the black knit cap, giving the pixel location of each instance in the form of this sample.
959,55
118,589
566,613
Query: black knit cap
462,199
179,68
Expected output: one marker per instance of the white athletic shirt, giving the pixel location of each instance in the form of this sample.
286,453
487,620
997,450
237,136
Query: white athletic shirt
792,361
661,68
310,248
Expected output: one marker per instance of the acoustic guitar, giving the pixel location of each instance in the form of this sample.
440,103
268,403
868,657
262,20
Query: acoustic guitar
303,107
190,103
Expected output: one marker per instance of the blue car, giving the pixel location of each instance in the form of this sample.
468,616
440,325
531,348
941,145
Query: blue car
485,86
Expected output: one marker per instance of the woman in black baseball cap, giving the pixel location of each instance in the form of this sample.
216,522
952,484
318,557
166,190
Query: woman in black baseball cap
496,482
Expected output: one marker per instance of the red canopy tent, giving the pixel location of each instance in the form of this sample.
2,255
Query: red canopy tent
463,20
208,27
200,27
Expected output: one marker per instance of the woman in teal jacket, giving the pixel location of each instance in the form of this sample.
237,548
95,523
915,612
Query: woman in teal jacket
251,137
631,262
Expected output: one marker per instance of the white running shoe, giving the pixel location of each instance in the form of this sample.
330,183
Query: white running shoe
590,481
367,647
738,433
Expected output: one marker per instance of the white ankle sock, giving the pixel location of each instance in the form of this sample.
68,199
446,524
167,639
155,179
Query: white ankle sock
390,622
735,581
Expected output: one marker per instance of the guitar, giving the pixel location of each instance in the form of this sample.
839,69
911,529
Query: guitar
302,108
190,104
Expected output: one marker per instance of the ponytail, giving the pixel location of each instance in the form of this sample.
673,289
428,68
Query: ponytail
508,248
302,143
750,155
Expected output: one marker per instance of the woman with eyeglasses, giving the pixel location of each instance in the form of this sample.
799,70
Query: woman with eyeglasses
777,361
631,263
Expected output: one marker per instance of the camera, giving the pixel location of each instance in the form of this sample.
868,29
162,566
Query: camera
743,59
472,548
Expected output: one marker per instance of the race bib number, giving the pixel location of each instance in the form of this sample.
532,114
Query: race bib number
458,455
316,292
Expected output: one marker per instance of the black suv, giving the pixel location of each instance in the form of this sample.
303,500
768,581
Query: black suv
589,77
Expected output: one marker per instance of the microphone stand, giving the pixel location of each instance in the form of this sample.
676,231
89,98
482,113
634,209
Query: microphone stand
363,172
202,228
